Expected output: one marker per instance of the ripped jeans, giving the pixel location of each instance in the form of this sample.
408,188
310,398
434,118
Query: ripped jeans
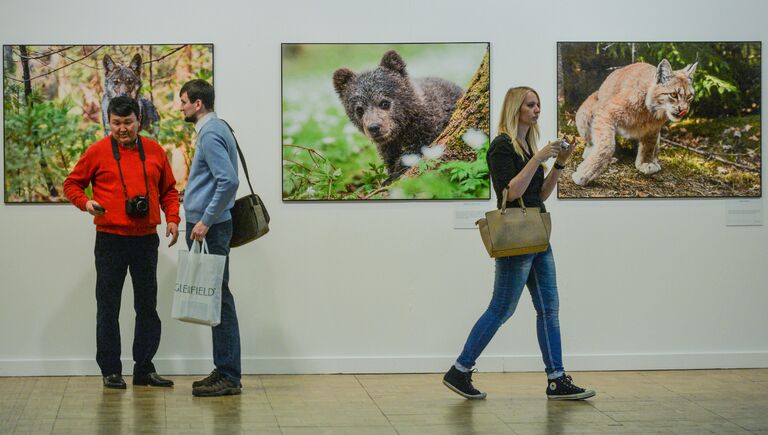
512,274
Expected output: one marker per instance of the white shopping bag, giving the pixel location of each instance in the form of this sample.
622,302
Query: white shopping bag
197,297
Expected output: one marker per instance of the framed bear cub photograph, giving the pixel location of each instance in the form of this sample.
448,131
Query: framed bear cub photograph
660,119
385,121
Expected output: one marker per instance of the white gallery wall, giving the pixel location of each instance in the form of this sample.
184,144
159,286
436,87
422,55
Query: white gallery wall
392,287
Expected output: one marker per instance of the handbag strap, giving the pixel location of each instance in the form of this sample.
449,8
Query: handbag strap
203,247
242,158
504,202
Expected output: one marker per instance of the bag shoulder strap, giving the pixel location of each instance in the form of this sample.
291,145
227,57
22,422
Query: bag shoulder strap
242,158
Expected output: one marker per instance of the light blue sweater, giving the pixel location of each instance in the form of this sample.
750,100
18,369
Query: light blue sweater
213,182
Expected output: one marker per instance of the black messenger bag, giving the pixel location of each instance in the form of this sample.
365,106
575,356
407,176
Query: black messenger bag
250,219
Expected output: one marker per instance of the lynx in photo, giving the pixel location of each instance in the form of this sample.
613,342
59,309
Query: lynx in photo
634,101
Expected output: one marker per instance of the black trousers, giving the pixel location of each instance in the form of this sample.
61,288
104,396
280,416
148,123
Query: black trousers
115,255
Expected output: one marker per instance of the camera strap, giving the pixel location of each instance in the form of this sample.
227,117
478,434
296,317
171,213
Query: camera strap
116,155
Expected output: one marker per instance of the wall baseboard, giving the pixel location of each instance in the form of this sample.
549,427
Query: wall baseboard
408,364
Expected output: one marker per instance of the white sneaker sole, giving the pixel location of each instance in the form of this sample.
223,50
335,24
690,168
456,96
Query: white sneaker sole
580,396
465,395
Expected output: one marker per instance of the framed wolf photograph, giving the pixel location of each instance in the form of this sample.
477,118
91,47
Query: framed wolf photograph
661,119
385,121
55,99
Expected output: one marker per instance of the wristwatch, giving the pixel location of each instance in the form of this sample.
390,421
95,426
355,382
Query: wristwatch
558,166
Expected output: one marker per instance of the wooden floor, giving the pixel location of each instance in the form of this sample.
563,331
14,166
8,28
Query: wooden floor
692,401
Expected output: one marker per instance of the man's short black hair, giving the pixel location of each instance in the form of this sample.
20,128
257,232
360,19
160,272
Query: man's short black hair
199,89
123,106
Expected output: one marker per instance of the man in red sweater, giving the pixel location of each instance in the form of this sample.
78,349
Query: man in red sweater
131,180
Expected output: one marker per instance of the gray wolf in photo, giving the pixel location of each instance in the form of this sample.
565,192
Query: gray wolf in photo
634,101
399,114
125,80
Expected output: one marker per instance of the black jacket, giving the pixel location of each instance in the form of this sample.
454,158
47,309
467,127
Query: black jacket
504,164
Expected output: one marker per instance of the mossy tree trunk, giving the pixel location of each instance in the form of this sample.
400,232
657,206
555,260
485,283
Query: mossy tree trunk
25,56
472,111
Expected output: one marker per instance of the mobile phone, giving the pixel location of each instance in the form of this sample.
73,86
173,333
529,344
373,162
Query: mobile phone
97,207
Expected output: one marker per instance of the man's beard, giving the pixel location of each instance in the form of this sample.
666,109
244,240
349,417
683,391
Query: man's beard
191,118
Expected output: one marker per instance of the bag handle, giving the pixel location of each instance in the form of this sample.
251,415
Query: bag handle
504,202
242,158
198,247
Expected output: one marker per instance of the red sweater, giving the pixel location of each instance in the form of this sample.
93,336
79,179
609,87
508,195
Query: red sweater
98,167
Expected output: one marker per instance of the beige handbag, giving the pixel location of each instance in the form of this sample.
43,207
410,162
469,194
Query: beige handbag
515,231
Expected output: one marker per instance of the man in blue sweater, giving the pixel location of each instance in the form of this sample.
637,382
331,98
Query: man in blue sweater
209,196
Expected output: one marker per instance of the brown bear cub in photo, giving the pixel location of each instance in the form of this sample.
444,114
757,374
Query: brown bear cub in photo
398,114
634,101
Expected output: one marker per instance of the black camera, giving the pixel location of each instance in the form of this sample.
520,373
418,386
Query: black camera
137,206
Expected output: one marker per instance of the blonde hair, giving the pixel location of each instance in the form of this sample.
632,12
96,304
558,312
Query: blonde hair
510,114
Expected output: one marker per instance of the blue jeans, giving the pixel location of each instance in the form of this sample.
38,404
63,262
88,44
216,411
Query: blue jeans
226,335
512,274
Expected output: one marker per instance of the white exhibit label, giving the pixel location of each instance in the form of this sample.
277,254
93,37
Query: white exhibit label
744,212
466,214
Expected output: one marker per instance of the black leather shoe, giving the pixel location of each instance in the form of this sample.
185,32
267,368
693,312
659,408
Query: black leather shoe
152,379
114,381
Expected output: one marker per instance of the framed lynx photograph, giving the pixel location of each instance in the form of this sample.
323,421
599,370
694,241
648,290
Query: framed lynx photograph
661,119
371,122
55,100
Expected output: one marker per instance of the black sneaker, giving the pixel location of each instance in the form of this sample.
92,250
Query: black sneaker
114,381
218,387
461,383
214,376
562,388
